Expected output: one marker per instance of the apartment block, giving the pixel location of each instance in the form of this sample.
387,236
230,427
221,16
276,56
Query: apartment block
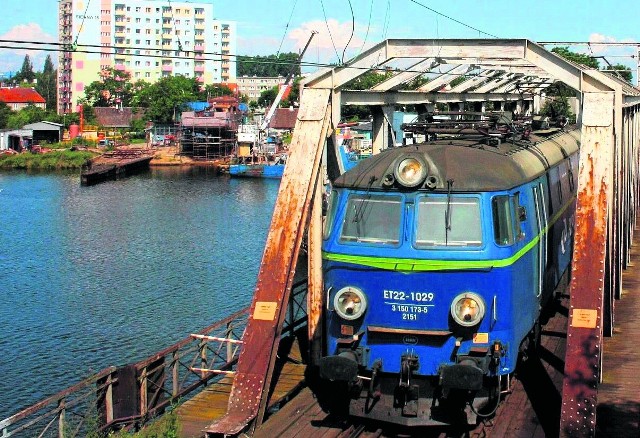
252,86
147,38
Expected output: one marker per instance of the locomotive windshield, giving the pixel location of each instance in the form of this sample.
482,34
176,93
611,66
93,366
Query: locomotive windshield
448,221
373,219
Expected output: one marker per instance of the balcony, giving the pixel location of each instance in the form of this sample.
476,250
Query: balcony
199,68
199,26
167,68
198,48
119,67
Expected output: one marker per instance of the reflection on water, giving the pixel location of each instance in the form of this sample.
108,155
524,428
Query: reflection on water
108,274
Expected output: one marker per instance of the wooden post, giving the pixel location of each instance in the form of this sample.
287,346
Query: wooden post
108,399
174,373
143,392
61,417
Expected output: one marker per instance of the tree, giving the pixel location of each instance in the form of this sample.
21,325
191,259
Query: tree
560,88
214,90
5,112
46,84
268,66
267,97
28,114
114,89
578,58
623,71
363,82
26,73
167,97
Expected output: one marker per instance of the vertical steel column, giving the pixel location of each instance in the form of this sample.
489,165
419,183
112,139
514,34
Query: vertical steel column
252,381
584,332
315,285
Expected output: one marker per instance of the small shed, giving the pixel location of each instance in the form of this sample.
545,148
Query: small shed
44,131
16,139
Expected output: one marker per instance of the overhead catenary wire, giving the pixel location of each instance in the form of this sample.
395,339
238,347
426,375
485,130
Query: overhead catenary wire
353,29
329,30
286,28
453,19
214,57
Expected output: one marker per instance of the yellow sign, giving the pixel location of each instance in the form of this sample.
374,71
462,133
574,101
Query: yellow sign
481,338
585,318
265,310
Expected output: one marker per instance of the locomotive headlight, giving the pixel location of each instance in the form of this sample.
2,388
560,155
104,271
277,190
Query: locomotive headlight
410,172
467,309
350,303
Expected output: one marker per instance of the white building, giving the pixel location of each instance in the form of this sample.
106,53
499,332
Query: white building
252,86
146,38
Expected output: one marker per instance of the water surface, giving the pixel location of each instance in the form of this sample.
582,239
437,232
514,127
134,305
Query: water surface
108,274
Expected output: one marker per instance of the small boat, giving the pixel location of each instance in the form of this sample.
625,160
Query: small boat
259,166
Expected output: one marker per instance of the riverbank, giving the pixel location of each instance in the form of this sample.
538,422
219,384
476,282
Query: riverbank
54,160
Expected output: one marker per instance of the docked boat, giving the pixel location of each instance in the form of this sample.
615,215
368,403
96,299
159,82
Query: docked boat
115,165
259,166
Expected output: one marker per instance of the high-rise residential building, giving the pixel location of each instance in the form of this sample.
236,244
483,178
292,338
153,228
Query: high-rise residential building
147,38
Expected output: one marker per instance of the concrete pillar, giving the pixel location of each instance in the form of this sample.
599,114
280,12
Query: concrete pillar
382,132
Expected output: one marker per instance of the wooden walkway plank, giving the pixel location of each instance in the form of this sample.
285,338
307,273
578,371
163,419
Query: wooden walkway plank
618,412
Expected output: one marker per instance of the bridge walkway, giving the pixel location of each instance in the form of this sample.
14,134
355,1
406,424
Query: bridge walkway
618,411
195,414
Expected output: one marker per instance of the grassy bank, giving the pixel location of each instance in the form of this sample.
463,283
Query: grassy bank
50,161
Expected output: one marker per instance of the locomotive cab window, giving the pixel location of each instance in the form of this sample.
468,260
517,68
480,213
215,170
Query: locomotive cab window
331,214
506,224
448,221
372,219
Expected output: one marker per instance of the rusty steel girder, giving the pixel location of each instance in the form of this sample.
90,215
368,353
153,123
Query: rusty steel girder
252,380
588,290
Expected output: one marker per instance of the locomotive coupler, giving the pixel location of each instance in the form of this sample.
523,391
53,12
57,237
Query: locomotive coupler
373,392
407,394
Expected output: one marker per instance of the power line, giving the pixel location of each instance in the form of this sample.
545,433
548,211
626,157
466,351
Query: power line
330,36
453,19
286,27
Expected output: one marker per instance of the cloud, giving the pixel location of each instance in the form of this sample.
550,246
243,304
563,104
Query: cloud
11,59
332,41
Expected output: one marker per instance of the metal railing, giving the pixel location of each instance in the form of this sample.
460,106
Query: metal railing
118,397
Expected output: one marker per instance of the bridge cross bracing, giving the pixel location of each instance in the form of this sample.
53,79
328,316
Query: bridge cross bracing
503,71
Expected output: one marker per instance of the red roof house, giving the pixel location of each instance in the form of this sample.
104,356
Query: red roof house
18,98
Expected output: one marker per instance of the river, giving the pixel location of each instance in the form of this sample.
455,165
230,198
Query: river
108,274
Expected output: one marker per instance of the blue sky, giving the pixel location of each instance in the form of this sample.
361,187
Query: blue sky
265,26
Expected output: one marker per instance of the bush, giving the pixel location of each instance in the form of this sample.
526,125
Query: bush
54,160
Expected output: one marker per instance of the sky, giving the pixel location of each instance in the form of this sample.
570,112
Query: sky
346,27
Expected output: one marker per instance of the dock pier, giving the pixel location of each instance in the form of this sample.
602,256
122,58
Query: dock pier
114,165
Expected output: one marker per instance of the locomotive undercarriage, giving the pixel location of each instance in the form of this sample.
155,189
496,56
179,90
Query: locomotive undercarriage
456,396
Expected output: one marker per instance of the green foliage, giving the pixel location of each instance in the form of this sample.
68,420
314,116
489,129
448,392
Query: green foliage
29,114
167,97
214,90
362,82
5,113
367,80
579,58
26,73
557,106
622,71
415,83
113,89
268,66
267,97
46,84
49,161
166,426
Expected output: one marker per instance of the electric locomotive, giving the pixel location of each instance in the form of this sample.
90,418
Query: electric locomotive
438,258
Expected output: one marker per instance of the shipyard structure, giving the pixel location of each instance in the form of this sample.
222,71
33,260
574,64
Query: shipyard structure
148,39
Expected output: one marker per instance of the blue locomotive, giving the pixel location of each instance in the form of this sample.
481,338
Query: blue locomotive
438,258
